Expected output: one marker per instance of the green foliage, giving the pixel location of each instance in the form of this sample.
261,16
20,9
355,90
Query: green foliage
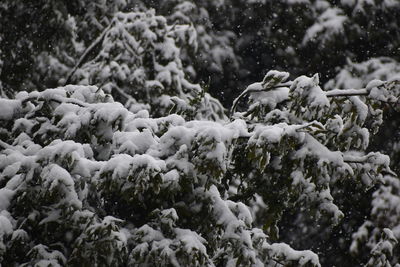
139,165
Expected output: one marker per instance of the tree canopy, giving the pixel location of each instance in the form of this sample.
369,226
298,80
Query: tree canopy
134,133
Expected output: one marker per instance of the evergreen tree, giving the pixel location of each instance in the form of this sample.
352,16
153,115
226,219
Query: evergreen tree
86,181
136,58
128,161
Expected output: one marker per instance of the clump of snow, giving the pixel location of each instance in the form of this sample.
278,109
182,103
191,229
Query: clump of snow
329,25
9,109
309,101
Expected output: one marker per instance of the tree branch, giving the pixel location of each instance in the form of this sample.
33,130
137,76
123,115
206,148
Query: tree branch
247,91
87,52
4,145
332,93
56,99
346,92
123,94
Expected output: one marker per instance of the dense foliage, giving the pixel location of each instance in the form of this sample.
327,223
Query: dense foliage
128,159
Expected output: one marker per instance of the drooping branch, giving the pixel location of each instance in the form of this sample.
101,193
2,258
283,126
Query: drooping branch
55,98
124,95
252,90
331,93
87,52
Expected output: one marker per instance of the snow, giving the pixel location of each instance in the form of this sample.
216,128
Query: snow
309,101
378,91
130,152
5,198
61,149
9,109
6,227
73,118
330,24
19,234
192,241
361,107
271,98
171,176
382,68
57,178
234,228
335,124
133,142
322,153
52,216
267,134
346,92
56,175
48,257
11,169
122,166
284,251
148,234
